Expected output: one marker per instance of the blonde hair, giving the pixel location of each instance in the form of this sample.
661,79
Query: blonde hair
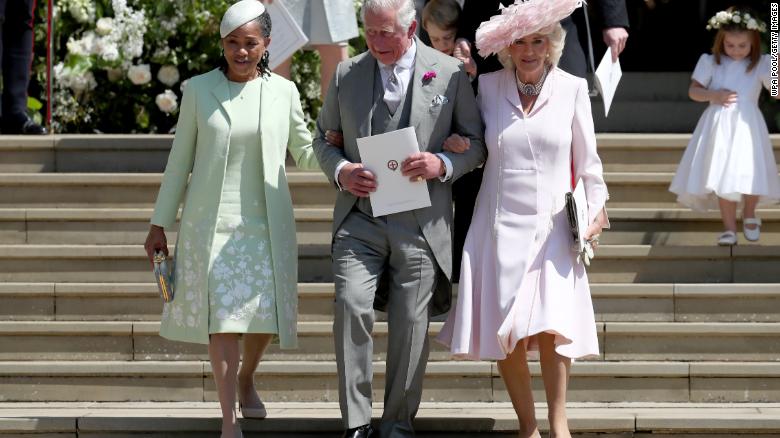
443,13
556,37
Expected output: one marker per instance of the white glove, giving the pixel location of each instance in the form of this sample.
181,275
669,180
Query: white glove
587,253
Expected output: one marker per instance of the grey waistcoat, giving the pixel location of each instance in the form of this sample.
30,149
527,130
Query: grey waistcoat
382,121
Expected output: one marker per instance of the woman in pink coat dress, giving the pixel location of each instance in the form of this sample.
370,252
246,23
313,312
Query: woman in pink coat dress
523,291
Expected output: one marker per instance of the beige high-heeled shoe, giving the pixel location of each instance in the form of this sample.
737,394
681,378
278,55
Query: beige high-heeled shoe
253,413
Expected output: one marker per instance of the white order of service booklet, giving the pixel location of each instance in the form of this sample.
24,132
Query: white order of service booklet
607,77
286,36
383,154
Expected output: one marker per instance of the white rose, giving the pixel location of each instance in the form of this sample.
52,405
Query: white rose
167,101
62,75
139,74
105,25
162,52
79,14
75,47
168,75
723,16
109,52
736,18
752,24
83,82
82,10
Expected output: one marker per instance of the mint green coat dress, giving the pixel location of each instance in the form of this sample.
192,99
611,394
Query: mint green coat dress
236,261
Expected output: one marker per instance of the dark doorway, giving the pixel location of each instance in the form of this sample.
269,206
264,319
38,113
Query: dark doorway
670,35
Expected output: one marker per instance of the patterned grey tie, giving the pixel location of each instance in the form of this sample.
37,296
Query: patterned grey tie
393,92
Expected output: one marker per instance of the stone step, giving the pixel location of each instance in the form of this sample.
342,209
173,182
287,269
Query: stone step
659,86
613,264
149,153
123,226
85,153
620,263
129,226
125,189
140,341
625,152
307,381
638,116
114,263
434,419
630,302
308,189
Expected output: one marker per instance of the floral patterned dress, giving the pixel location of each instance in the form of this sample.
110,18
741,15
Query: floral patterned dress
236,258
241,282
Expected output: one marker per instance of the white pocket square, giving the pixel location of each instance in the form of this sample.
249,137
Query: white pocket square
438,100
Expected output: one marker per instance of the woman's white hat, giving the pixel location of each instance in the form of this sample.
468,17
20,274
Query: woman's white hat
240,14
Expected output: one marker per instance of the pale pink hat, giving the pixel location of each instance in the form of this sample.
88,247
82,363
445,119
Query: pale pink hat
522,18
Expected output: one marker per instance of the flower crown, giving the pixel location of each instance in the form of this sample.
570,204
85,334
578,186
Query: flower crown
739,18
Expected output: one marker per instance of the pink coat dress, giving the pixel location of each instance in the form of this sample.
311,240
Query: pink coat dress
519,276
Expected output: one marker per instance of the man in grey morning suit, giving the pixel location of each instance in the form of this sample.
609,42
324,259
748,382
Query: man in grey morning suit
399,262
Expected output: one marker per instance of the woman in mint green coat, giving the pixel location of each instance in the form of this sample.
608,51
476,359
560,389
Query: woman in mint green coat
236,255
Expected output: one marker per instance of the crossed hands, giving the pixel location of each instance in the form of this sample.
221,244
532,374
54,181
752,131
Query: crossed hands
361,182
418,167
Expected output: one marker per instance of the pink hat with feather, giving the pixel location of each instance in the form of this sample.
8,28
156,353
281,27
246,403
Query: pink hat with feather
522,18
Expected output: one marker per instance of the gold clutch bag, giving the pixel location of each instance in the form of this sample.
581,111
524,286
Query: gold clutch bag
163,274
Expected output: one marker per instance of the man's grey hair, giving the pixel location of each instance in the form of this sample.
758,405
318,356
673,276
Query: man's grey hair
405,10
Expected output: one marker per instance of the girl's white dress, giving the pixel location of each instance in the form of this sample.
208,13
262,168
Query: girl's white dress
729,154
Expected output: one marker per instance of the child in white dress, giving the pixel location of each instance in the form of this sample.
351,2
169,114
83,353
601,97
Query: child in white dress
729,157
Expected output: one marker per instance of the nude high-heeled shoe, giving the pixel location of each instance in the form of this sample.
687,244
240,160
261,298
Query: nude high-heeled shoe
253,413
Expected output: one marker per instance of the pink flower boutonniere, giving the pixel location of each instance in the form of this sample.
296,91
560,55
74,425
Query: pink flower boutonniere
428,76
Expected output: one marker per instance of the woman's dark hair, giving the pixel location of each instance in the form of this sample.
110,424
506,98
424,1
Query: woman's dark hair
264,21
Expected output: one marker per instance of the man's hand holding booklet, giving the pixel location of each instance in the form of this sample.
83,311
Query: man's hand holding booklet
383,155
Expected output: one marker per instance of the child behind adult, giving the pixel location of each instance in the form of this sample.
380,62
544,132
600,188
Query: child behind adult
440,18
729,157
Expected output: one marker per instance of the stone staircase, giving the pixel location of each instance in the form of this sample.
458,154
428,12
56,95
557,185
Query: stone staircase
649,102
689,332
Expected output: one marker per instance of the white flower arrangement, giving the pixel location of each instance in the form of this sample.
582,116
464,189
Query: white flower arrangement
139,74
740,18
76,79
135,50
167,101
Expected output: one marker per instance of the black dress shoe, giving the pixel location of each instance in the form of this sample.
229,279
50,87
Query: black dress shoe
364,431
28,127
